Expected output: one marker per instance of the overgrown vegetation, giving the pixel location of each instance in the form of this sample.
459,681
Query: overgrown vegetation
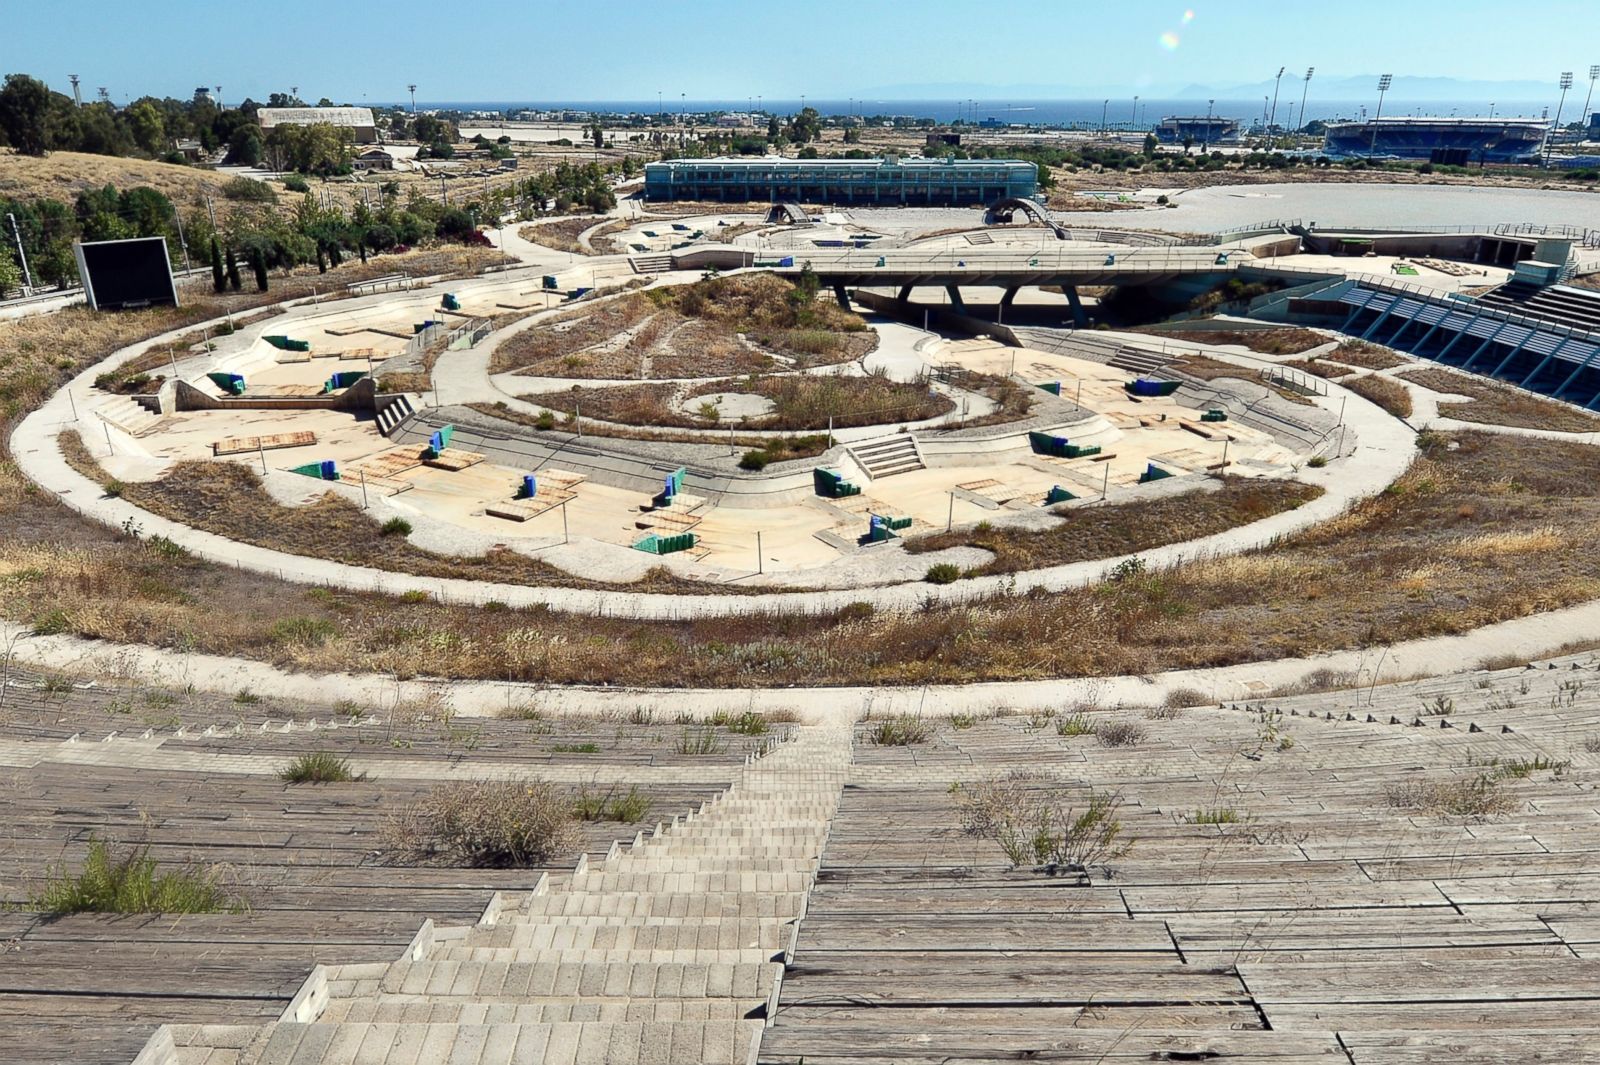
1493,403
1478,798
319,767
497,824
1103,531
902,730
132,883
630,807
1035,824
1386,393
1290,340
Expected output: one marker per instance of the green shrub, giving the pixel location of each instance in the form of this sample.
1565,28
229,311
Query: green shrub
754,460
700,740
249,190
630,808
130,884
319,767
296,183
395,526
942,573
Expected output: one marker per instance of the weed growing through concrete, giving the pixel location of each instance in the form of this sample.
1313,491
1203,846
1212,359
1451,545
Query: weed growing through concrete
319,767
629,808
1075,725
107,883
1035,826
700,740
1118,734
1478,798
496,824
903,730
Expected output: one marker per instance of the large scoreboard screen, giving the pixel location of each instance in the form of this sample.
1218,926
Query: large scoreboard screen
123,274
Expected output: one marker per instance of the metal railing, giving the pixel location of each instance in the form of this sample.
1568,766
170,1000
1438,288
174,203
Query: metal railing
1476,308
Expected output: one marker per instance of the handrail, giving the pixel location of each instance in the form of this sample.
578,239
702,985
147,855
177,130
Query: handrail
1479,309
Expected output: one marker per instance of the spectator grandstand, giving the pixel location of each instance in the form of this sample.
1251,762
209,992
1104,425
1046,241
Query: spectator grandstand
1203,129
1446,140
890,180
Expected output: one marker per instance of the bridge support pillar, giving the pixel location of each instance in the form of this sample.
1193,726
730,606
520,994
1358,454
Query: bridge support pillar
1010,296
955,297
842,296
905,294
1079,319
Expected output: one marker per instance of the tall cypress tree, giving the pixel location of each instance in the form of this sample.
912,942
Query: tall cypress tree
219,280
258,262
233,269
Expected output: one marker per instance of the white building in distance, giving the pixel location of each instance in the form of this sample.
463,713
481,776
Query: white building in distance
358,120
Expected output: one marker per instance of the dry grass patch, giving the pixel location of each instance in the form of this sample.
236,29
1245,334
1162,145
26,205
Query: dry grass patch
1033,820
1479,798
1493,403
1390,395
1364,355
801,402
489,824
1103,531
562,234
1287,341
719,327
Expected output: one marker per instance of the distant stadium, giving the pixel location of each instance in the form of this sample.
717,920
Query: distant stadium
1201,129
1441,140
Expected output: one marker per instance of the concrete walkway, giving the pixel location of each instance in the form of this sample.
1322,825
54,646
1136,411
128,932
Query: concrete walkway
670,951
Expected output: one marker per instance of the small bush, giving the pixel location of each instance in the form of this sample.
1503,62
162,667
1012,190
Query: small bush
700,740
903,730
396,526
748,723
1316,462
630,808
296,183
1216,815
545,421
754,460
130,884
962,722
249,190
415,595
246,697
114,488
1026,816
1479,797
1184,698
942,573
575,748
319,767
1118,734
1074,725
491,824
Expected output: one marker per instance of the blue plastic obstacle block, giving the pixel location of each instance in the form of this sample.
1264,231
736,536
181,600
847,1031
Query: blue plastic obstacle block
1152,472
450,302
230,383
787,260
550,281
530,487
330,470
1052,387
436,443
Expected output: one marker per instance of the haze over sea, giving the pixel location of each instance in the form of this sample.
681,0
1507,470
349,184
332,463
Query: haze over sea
1030,112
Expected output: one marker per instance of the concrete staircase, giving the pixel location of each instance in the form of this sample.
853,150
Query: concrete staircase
669,951
888,455
392,415
130,415
650,264
1562,304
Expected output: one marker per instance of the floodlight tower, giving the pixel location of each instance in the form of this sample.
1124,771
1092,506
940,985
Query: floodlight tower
1275,87
1383,87
413,90
77,97
219,97
1594,75
1304,91
1211,105
1555,128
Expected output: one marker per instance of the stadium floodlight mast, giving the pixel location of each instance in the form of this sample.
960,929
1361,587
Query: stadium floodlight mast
1275,87
1304,91
1211,106
413,90
1594,75
1555,128
1383,87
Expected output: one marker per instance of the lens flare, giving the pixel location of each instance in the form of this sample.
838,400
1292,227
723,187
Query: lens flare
1188,16
1169,41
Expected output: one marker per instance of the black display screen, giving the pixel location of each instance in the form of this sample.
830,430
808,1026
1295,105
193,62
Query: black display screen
121,274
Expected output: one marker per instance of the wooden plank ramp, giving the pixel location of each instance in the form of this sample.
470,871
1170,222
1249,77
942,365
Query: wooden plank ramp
235,445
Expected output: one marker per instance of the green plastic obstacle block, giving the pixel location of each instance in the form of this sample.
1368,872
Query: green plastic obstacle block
1057,494
1074,451
1052,387
666,545
283,343
450,303
830,484
1152,472
1214,416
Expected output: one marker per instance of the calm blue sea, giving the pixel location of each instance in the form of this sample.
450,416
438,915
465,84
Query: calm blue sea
1082,113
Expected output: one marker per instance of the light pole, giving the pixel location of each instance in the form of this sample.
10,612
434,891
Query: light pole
1305,90
1104,108
1594,75
1550,145
1383,86
1135,112
1275,87
1211,106
413,90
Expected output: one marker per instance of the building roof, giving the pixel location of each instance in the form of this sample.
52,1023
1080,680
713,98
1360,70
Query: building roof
303,116
778,160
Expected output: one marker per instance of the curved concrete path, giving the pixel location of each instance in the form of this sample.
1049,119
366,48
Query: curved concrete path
1377,449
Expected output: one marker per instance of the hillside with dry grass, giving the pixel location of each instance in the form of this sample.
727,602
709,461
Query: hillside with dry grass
62,175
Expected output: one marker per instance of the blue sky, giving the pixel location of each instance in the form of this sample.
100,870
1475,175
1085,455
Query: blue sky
827,49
